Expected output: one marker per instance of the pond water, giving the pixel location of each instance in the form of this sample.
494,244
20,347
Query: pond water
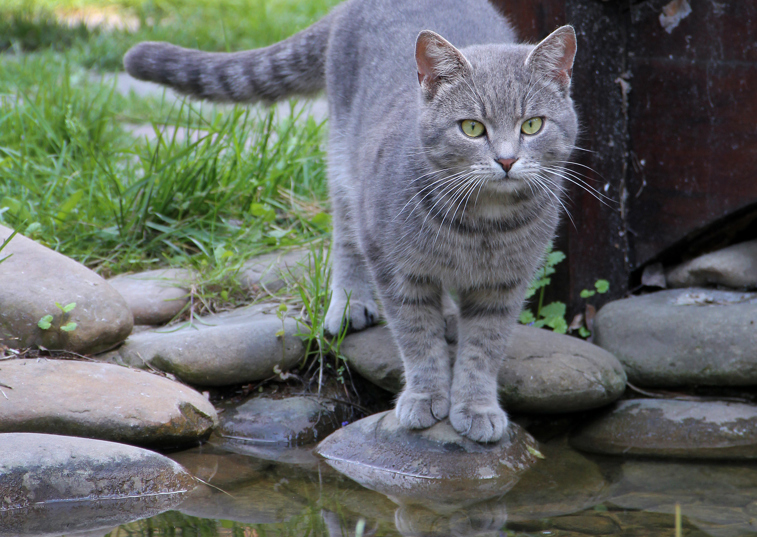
253,492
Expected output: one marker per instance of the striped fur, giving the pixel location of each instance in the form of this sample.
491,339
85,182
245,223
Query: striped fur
420,208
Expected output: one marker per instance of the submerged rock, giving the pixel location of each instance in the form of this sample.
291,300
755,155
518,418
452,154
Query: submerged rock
34,278
683,337
433,463
228,348
673,428
735,267
271,271
287,422
544,372
156,296
101,401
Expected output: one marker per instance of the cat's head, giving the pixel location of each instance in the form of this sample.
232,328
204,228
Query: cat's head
500,115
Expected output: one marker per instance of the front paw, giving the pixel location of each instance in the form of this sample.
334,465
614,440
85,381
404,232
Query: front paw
421,410
479,422
357,315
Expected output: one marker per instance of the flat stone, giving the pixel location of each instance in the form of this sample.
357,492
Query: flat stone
674,429
34,279
683,337
156,296
217,350
433,463
45,468
735,267
290,421
102,401
271,271
544,372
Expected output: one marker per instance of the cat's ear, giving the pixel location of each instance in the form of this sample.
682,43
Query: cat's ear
554,56
438,62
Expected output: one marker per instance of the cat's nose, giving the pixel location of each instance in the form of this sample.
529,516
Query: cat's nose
506,163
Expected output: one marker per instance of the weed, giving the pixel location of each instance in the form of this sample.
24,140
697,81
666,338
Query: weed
5,243
46,322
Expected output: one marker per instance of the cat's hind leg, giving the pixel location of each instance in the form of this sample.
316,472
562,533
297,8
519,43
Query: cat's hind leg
352,293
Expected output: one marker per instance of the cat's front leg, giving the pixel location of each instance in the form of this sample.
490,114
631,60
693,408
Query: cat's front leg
487,317
413,306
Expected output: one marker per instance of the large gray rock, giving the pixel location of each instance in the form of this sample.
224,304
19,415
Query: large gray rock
34,278
217,350
271,271
735,267
102,401
683,337
544,372
674,429
156,296
59,485
287,421
433,463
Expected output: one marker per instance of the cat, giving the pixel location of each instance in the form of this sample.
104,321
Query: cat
447,147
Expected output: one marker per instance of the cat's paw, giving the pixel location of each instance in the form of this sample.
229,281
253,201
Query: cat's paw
482,423
359,315
421,410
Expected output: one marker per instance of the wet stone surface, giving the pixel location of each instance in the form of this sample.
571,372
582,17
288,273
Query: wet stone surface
102,401
217,350
683,337
544,372
34,278
673,428
156,296
436,462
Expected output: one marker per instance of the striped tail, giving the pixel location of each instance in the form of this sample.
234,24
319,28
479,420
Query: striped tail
291,67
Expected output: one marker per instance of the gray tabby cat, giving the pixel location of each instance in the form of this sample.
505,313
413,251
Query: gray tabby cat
446,173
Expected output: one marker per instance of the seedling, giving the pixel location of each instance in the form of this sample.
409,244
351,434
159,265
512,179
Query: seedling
46,322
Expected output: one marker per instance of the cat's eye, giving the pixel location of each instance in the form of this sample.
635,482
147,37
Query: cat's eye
531,126
472,128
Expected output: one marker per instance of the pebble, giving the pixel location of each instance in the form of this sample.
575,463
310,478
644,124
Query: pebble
34,278
104,401
223,349
271,271
433,463
683,337
673,429
544,372
156,296
52,484
734,267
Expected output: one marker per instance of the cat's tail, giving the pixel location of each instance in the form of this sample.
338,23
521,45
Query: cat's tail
291,67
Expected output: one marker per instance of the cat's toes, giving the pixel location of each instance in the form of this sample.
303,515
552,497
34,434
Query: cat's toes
482,423
421,410
357,316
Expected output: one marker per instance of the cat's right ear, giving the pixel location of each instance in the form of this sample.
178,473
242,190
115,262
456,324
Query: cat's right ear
438,62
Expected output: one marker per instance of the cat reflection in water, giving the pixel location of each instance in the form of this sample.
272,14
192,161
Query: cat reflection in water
448,142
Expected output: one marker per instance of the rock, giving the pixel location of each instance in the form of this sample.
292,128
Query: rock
217,350
683,337
673,428
286,422
735,267
270,271
156,296
433,463
52,484
543,372
34,278
103,401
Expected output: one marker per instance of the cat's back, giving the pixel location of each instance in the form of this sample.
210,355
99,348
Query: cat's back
372,45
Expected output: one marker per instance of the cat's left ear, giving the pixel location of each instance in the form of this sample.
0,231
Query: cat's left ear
554,56
438,62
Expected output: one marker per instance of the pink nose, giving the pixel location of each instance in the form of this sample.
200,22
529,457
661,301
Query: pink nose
506,163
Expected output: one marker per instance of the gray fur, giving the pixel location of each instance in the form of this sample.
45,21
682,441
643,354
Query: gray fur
419,207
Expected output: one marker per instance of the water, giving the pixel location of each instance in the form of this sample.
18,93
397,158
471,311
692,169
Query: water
565,494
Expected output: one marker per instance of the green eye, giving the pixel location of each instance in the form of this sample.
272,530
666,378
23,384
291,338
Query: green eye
472,128
531,126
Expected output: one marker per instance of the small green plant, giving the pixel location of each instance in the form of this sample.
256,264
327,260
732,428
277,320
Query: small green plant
551,315
5,243
46,322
